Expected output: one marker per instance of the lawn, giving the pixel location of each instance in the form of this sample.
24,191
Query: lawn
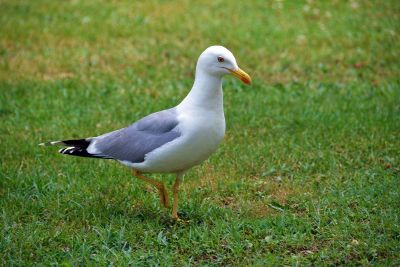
308,172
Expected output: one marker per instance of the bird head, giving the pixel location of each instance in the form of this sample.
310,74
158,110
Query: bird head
219,61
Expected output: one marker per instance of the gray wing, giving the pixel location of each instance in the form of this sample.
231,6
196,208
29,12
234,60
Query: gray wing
134,142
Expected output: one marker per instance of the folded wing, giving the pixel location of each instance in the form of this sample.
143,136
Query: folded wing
131,143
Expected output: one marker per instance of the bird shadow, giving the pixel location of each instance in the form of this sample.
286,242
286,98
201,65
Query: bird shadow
106,207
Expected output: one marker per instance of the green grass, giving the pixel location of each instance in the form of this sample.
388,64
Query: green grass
308,172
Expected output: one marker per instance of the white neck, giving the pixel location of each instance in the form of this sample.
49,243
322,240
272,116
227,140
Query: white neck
206,93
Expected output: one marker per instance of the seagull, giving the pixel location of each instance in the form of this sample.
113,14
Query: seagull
172,140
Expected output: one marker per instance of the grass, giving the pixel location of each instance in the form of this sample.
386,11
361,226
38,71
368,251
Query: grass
308,173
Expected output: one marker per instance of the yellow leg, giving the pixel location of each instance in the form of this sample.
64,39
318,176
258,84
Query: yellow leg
176,190
160,186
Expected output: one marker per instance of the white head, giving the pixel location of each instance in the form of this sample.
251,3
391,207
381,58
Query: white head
219,61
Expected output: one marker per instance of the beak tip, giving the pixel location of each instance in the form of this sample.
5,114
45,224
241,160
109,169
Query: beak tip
247,81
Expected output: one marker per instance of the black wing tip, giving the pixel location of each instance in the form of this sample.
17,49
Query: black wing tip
83,143
80,152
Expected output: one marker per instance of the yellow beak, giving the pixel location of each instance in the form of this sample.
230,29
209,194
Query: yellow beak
242,75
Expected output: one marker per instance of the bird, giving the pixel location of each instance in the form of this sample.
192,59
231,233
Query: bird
172,140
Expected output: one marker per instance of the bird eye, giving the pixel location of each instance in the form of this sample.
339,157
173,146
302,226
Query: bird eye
221,59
